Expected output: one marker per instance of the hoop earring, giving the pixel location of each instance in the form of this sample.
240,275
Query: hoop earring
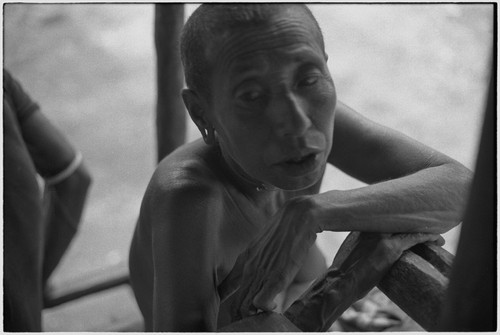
209,135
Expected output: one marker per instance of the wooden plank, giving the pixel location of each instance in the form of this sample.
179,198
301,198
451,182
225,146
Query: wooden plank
90,283
170,111
113,310
417,287
441,259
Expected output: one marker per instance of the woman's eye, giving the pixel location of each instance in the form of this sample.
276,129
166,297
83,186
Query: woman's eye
251,96
309,81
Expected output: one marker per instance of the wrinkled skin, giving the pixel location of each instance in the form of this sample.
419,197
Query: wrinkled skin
275,103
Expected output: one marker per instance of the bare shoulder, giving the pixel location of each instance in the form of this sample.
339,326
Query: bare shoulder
182,197
188,166
183,184
176,240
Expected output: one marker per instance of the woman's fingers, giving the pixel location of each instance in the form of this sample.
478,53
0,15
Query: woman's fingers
409,240
440,241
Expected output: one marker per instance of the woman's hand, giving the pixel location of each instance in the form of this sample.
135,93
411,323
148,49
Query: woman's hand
271,262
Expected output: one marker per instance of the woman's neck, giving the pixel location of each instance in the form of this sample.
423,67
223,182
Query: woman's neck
258,191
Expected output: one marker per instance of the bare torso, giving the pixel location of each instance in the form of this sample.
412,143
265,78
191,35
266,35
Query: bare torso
241,221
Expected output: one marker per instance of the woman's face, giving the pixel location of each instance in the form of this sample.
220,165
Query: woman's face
273,102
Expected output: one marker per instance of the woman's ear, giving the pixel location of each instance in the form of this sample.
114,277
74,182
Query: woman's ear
197,110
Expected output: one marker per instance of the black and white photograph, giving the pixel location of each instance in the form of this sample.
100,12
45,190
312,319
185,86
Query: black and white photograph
249,167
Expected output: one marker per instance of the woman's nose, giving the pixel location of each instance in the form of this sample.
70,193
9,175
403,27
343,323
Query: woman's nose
291,117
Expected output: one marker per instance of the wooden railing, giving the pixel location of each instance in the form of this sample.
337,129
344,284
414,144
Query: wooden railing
86,285
417,283
100,300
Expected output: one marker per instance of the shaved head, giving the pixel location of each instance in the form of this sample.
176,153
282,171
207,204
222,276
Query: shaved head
210,24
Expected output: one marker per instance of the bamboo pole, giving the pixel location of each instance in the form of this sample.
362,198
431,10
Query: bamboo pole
170,112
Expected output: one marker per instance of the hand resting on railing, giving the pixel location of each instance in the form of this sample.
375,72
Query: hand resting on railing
362,261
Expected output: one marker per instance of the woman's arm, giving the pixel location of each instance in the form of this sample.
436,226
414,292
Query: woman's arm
184,219
413,188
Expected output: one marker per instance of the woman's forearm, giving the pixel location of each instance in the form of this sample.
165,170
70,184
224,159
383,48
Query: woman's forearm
431,201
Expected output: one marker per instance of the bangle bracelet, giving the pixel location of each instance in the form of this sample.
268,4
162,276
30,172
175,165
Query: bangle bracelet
68,171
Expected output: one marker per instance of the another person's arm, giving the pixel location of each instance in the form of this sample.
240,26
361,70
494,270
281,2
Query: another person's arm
67,179
184,216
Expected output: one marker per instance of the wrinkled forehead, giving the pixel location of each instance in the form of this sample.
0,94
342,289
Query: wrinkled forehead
283,28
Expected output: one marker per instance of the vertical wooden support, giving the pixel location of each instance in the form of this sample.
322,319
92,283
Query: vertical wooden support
470,304
170,112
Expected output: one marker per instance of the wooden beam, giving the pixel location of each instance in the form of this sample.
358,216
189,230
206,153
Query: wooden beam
417,286
170,112
88,284
112,310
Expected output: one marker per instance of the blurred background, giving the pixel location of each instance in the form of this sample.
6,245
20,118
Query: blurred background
422,69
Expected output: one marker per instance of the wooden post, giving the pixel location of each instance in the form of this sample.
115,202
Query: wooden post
170,112
470,303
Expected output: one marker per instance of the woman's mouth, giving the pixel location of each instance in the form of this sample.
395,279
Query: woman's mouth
301,160
301,165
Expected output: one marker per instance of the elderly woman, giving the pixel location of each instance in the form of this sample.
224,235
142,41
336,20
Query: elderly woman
228,225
